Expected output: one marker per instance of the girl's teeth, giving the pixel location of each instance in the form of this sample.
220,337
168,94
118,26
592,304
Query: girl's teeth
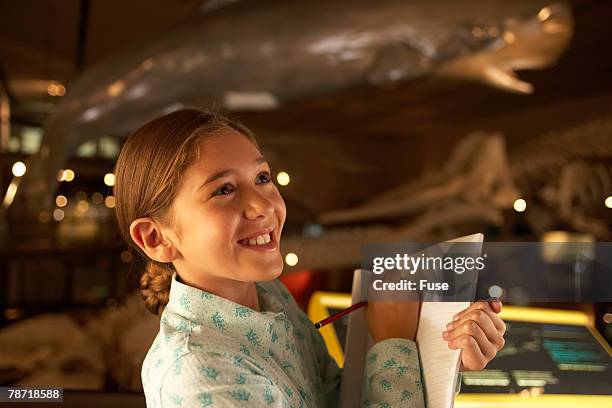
259,240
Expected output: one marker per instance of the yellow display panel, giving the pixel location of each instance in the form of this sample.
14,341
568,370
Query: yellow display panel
550,316
541,401
318,309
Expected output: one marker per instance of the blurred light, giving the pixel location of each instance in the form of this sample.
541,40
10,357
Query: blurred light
607,318
68,175
509,37
312,230
60,175
91,114
137,91
19,169
477,31
56,89
81,195
608,202
564,236
108,147
82,206
109,179
109,202
283,178
126,256
495,291
291,259
567,247
147,64
87,149
115,88
544,14
493,31
44,217
520,205
10,194
61,201
58,214
97,198
30,139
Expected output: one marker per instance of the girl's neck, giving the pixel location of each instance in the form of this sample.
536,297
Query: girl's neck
243,293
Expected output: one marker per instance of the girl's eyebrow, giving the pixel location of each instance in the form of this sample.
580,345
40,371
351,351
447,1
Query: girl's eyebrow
226,172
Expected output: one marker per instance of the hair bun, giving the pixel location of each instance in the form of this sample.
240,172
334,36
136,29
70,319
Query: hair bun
155,287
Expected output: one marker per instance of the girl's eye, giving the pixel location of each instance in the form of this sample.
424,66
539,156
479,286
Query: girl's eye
228,188
266,177
224,190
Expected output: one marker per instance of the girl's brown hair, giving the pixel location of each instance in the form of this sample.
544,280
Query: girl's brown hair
147,179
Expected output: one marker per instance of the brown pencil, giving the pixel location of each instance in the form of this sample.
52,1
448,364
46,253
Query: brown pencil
338,315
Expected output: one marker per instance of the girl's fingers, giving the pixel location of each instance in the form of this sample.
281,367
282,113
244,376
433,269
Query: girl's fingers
496,305
484,307
485,321
479,332
470,328
471,356
480,305
498,323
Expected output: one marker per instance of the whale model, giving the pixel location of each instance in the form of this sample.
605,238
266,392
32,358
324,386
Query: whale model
256,55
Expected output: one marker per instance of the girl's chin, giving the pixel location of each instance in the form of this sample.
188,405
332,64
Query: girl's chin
269,274
262,271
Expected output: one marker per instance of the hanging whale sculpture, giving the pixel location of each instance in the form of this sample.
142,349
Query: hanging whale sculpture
256,55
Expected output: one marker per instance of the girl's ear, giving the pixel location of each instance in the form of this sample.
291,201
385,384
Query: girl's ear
147,234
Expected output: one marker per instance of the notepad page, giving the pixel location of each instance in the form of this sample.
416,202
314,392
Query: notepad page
357,343
439,364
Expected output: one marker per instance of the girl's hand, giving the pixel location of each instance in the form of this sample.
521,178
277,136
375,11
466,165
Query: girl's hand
479,332
392,319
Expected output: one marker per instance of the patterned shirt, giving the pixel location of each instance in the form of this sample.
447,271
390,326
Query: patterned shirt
212,352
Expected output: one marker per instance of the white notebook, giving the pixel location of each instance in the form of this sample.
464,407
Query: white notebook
439,364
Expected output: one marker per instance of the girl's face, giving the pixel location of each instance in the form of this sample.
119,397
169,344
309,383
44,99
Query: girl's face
226,197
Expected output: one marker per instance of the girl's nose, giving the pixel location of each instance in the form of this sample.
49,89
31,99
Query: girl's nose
256,205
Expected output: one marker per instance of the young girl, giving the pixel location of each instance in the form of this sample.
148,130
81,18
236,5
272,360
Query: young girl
195,198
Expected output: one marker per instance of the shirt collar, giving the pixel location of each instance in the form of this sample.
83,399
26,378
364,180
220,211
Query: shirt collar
199,306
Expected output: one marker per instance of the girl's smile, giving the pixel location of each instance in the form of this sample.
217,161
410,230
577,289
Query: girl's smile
263,240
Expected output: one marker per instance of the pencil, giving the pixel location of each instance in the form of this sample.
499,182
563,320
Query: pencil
338,315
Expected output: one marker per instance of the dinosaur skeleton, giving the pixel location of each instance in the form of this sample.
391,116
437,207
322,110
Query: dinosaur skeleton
568,173
564,173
